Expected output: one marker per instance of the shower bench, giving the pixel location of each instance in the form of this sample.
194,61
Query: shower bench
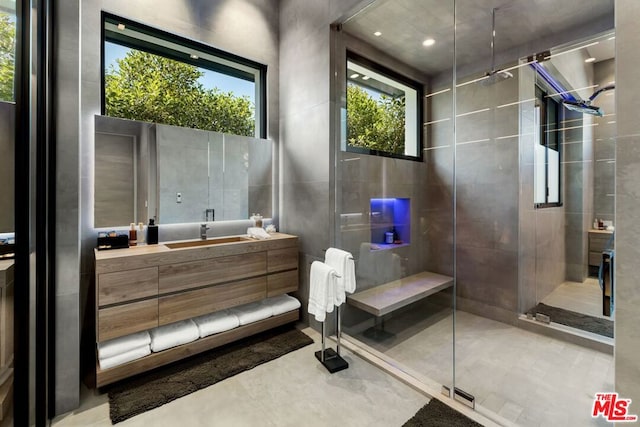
388,297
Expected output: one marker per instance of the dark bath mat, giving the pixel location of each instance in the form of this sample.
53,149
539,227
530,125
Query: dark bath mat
576,320
150,390
437,414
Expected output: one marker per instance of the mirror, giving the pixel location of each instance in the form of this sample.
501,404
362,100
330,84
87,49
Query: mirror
177,175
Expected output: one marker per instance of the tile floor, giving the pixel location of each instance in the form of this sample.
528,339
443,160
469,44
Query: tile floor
293,390
585,298
525,378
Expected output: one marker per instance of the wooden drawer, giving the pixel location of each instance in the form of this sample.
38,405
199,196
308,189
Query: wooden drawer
186,305
282,259
193,274
126,319
599,242
127,285
281,283
595,258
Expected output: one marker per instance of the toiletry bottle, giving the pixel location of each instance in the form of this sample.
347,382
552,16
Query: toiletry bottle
133,235
258,220
141,233
396,239
152,232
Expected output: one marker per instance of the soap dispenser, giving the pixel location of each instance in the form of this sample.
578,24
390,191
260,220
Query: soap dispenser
152,232
141,234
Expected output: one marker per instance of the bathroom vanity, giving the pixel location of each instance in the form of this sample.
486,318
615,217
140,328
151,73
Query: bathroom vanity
143,287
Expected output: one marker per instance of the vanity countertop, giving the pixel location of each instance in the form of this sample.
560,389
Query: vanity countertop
5,264
593,230
161,248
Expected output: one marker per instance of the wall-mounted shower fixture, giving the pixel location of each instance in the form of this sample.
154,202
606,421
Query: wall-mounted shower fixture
569,101
584,105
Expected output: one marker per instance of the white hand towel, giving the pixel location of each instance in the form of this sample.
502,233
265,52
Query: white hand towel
322,290
282,304
116,346
252,312
173,335
215,323
342,262
122,358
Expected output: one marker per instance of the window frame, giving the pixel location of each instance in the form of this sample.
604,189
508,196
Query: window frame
261,69
362,61
543,100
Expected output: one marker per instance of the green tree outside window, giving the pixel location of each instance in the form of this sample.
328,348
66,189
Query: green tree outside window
156,89
375,124
7,56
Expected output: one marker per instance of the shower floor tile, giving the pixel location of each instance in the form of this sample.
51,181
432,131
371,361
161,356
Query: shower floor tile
526,378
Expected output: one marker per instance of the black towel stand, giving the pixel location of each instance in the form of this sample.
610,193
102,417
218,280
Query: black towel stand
331,359
327,356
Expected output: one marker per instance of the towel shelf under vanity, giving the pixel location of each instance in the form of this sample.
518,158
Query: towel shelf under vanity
140,288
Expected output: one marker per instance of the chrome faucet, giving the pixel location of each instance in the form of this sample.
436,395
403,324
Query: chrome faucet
203,231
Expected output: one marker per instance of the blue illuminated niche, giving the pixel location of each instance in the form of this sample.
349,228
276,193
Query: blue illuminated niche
388,214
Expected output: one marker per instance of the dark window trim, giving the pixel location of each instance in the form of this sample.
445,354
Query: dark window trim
544,101
417,86
200,62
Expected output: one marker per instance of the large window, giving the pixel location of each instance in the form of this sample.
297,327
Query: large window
383,111
7,51
548,152
153,76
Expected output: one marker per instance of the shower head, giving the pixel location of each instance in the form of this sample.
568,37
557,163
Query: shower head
494,77
584,106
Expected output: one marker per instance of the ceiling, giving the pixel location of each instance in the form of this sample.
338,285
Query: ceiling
523,27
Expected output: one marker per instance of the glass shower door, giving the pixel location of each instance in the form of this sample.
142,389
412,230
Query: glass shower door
394,182
517,155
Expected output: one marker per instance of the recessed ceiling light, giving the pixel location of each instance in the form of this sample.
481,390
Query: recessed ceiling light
121,27
365,77
354,76
377,34
428,42
592,59
194,56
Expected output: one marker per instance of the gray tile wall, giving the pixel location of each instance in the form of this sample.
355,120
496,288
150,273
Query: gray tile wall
578,196
605,145
305,156
487,178
627,177
69,181
249,28
7,170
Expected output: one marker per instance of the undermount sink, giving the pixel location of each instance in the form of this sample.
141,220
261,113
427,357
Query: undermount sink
208,242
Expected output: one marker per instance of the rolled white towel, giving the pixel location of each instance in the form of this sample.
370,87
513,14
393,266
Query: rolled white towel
122,358
215,323
282,304
252,312
116,346
174,334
